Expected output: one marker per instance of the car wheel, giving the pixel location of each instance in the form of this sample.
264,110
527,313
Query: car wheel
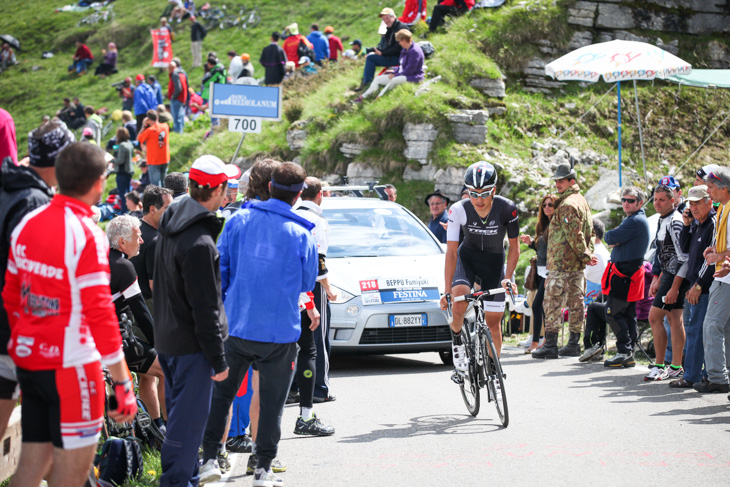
446,357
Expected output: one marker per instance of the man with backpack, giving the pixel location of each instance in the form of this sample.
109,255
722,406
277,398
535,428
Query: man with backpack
296,45
320,43
273,58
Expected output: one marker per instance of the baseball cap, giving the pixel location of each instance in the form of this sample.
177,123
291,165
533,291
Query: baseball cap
669,181
386,11
293,28
233,183
210,171
356,41
245,57
128,79
46,142
304,59
704,171
329,29
139,77
696,193
87,131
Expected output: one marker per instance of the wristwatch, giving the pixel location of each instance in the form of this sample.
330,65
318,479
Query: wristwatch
698,287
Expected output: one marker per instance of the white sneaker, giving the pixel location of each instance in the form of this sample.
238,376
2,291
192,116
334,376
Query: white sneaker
670,373
459,355
263,478
655,373
526,343
209,472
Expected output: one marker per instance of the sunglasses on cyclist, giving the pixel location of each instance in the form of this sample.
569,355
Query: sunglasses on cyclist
628,200
486,194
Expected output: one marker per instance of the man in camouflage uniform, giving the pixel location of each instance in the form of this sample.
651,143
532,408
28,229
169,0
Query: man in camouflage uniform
570,249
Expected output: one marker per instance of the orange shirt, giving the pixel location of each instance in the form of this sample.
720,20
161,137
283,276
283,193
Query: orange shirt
157,140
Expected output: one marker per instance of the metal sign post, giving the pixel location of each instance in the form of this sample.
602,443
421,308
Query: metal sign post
245,106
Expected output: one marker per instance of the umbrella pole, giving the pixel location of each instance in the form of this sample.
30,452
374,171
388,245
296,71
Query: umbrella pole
618,91
641,136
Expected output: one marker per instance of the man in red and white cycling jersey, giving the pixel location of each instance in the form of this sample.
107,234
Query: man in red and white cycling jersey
63,326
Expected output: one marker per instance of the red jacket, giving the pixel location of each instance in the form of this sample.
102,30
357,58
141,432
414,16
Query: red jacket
83,52
290,46
453,3
335,46
57,290
183,93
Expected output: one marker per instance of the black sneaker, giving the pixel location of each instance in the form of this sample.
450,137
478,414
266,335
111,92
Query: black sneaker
313,427
591,352
706,386
224,464
360,88
319,399
292,397
621,360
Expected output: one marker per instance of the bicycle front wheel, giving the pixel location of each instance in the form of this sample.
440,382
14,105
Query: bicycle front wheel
470,381
251,22
495,377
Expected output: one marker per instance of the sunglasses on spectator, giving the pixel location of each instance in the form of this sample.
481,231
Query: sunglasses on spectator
628,200
486,194
548,205
712,175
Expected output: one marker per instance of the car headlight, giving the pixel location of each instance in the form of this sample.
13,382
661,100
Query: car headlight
342,296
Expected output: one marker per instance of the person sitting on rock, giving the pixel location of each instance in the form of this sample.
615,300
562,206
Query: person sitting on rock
409,70
448,8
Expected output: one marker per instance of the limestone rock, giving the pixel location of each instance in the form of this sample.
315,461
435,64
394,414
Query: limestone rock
490,87
419,141
580,39
605,194
423,173
360,173
582,13
615,17
469,134
450,181
719,54
296,136
496,111
352,150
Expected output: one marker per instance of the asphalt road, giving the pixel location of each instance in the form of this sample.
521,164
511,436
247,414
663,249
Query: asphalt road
400,421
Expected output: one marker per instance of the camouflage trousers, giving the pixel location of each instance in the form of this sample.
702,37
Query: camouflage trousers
564,290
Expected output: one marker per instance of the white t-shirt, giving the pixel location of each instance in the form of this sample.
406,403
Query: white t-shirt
321,230
594,273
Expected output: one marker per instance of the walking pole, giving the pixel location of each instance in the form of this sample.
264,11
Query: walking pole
240,142
641,136
618,91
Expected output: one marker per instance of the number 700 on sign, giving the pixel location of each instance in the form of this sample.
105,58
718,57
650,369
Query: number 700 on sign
249,125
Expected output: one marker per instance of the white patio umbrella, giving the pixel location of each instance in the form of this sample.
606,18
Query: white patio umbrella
618,61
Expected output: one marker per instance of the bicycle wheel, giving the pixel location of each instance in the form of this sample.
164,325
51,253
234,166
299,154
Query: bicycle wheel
252,21
470,381
228,22
646,341
495,376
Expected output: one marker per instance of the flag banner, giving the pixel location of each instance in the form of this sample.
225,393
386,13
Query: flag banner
162,48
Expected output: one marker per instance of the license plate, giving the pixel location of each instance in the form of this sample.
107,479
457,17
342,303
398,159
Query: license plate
408,320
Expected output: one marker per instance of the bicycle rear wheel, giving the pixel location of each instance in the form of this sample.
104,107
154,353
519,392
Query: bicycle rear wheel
495,376
470,381
251,22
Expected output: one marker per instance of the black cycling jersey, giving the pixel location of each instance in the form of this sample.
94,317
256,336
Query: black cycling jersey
126,293
484,234
144,262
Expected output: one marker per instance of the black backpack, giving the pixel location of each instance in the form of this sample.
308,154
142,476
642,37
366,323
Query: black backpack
120,459
305,50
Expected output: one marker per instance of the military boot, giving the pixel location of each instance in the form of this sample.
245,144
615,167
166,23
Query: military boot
549,349
572,348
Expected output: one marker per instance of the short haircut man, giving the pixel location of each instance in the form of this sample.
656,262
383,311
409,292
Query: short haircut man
391,191
190,322
63,398
177,183
263,333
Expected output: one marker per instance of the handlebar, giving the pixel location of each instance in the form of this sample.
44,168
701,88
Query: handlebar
478,294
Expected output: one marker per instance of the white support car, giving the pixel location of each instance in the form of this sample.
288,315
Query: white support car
389,271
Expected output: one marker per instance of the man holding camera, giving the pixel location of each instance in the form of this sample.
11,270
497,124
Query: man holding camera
155,140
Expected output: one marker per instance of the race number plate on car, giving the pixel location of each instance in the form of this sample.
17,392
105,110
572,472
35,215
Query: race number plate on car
408,320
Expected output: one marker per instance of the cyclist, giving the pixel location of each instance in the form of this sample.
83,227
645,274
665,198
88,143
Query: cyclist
478,261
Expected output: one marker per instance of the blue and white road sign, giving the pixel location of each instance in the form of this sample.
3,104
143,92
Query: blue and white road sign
245,101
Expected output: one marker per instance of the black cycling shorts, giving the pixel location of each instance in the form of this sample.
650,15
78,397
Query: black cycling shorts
484,269
137,362
665,284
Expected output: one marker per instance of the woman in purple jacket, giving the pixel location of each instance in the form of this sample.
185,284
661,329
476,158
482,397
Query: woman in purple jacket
109,65
410,68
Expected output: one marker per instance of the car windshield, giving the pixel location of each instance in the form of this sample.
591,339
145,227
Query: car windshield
377,232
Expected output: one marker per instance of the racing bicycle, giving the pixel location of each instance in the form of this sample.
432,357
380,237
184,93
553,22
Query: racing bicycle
99,15
484,368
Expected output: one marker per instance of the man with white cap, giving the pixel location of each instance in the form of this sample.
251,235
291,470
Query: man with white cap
190,321
388,51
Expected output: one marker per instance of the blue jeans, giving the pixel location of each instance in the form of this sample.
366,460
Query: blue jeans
694,317
374,60
188,389
177,108
81,65
124,180
157,174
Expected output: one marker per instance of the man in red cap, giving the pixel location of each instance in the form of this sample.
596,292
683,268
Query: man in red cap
190,321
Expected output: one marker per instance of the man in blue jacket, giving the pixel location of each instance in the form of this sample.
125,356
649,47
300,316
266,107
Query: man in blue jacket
268,261
629,242
321,44
145,99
